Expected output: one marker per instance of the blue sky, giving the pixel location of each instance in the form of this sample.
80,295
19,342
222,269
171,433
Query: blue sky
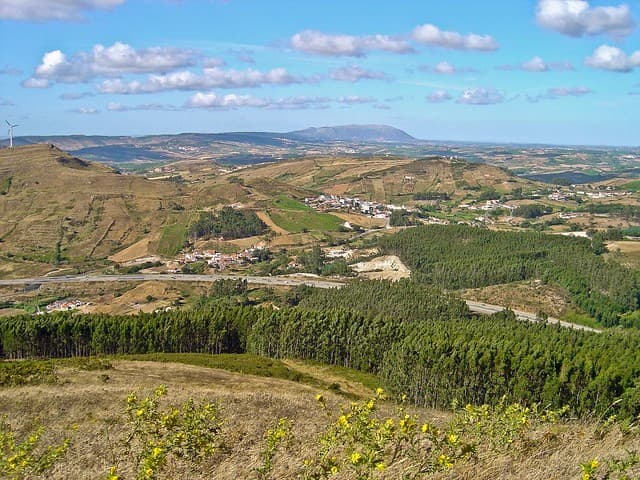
546,71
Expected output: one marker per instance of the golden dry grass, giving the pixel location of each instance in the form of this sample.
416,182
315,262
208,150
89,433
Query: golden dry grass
626,251
135,300
90,209
137,250
384,178
530,296
250,405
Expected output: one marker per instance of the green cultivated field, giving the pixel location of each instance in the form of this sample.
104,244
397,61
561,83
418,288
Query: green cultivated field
296,222
172,239
283,202
296,217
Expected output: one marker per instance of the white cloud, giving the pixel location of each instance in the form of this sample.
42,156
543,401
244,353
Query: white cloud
432,35
46,10
319,43
354,73
606,57
559,92
570,91
118,107
577,18
480,96
445,68
210,78
35,83
233,101
355,99
536,64
439,96
85,110
116,60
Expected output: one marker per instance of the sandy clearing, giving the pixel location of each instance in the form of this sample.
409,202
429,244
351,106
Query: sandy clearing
387,267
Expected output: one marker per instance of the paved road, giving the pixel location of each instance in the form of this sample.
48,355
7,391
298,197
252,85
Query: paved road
477,307
278,281
486,309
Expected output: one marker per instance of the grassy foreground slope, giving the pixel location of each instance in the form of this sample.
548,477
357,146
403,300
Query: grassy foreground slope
87,407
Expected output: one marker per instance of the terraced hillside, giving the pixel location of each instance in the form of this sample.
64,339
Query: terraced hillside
387,179
54,206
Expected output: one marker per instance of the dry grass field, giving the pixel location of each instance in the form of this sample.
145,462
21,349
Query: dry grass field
62,208
88,408
626,251
386,179
530,296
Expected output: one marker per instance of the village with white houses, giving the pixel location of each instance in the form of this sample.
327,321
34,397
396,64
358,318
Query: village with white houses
219,260
326,203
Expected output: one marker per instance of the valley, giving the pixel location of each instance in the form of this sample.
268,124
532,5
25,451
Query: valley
317,274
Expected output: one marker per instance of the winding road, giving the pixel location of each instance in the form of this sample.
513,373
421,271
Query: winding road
476,307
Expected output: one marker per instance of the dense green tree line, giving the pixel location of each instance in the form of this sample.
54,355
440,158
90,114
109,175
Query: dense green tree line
457,256
629,212
228,223
532,210
428,348
405,300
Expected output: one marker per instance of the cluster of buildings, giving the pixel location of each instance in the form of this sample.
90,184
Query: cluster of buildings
488,206
353,204
562,195
221,260
64,305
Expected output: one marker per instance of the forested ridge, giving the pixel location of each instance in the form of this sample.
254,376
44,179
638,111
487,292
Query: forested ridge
429,349
457,256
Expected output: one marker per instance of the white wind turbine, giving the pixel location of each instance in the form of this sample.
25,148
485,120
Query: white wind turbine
11,127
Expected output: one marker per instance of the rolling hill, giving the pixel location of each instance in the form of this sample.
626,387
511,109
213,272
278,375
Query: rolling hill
56,206
229,148
387,179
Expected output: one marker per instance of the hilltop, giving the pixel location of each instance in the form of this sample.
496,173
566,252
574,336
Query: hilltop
353,133
385,179
55,206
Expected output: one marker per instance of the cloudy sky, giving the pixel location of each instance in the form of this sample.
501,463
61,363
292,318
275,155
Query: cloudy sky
549,71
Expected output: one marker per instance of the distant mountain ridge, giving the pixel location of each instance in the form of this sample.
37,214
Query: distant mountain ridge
355,133
227,147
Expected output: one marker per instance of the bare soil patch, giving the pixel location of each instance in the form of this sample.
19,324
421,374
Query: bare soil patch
388,267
